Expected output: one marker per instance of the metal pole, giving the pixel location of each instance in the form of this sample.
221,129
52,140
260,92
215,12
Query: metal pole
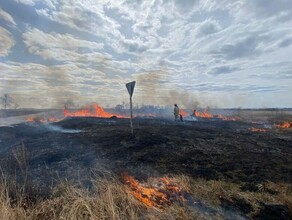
131,118
130,87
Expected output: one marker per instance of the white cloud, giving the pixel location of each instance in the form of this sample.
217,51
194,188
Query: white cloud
66,48
61,47
49,3
85,16
26,2
205,46
7,17
208,27
38,38
43,12
6,42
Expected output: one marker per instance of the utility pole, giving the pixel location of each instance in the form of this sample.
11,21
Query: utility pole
130,87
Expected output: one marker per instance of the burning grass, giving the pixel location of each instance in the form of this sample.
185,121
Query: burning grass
42,119
90,111
157,192
258,129
206,114
109,198
95,110
284,125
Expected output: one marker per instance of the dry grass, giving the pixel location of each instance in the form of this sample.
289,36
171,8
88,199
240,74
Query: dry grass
109,198
272,117
213,191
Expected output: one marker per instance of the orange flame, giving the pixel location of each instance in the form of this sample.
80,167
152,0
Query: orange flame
183,113
42,119
285,124
258,129
228,118
204,114
156,195
52,119
91,111
30,119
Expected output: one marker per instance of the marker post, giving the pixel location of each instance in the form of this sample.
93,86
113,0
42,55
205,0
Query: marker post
130,87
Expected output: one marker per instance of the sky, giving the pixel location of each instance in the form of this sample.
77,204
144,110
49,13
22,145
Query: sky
196,53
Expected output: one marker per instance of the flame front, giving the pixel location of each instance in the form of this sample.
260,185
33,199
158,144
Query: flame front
204,114
285,124
157,194
95,110
91,111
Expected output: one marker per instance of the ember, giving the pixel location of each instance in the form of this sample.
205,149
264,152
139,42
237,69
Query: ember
285,124
42,119
158,192
258,129
30,119
228,118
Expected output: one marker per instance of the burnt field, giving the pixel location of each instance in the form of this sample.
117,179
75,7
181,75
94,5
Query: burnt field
232,171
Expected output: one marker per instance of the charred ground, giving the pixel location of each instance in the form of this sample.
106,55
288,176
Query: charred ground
77,148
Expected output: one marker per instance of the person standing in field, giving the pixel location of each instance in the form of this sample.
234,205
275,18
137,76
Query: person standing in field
176,112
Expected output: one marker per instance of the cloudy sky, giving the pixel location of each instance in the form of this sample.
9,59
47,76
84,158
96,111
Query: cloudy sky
217,53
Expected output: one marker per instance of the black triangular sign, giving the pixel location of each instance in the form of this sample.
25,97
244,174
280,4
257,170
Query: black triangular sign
130,87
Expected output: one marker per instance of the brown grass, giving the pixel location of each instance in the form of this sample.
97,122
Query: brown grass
109,198
212,191
276,116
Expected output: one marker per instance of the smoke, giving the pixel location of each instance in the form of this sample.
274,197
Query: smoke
149,85
158,87
61,130
184,99
155,88
58,83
